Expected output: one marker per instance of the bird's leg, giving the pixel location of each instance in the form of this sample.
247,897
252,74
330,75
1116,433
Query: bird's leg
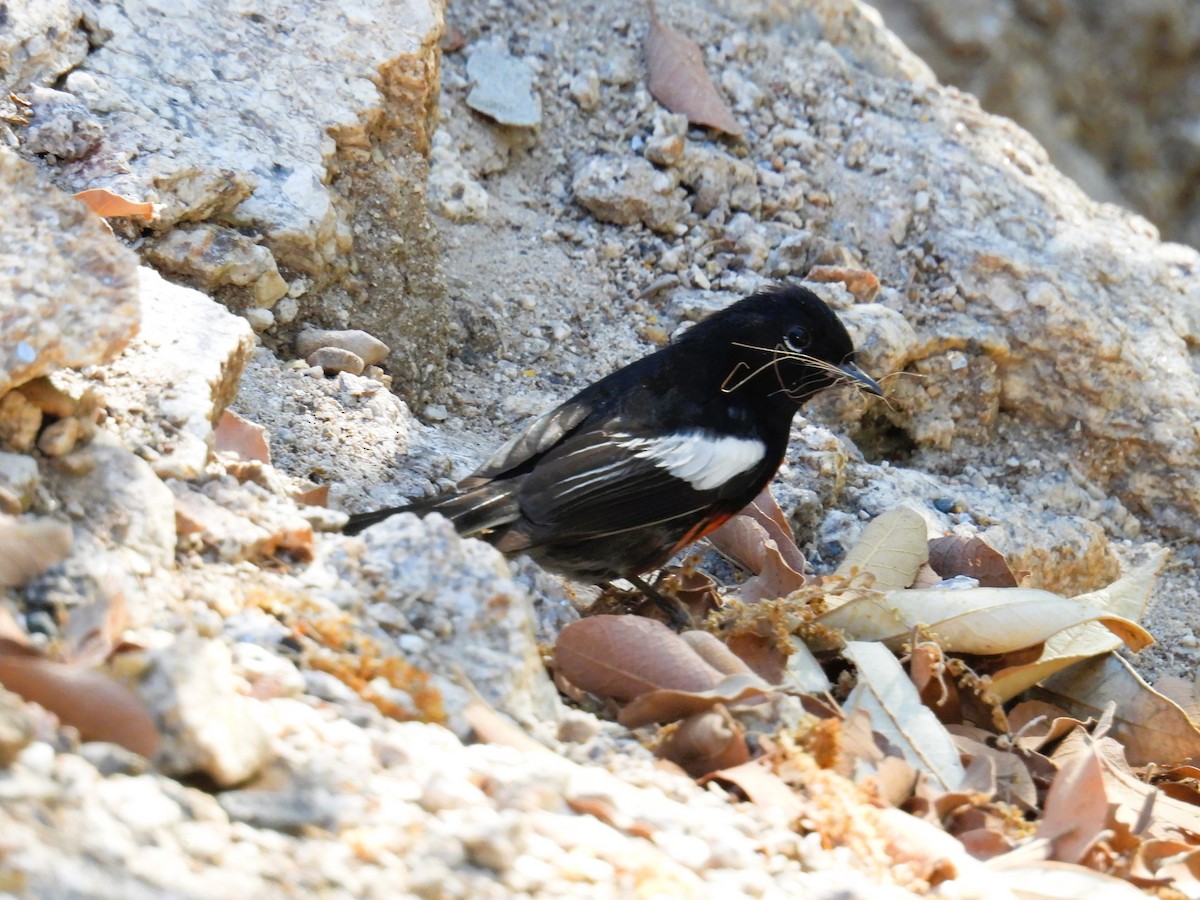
678,616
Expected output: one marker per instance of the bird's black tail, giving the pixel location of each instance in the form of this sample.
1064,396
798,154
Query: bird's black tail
477,511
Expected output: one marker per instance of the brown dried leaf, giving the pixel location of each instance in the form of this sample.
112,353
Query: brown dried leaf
715,653
1076,813
1152,728
670,705
762,786
99,707
934,684
245,439
761,653
764,510
679,81
706,742
625,656
893,547
29,546
956,555
109,205
760,540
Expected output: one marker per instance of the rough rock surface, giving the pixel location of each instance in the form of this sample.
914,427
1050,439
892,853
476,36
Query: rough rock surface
67,293
281,657
461,615
262,164
1111,93
186,364
39,41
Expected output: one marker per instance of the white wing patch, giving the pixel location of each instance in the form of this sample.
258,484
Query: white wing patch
702,459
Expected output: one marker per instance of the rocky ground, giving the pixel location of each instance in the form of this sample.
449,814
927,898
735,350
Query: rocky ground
503,204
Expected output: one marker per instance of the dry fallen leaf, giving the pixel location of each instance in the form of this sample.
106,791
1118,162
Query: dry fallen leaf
893,547
1126,597
245,439
715,653
760,540
762,786
1152,728
671,705
897,713
109,205
982,621
679,81
1075,813
625,656
956,555
29,546
706,742
92,702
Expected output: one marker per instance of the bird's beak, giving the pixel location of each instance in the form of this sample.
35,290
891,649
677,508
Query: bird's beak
864,381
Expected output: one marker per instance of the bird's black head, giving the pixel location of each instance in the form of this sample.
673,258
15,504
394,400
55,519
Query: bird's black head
784,343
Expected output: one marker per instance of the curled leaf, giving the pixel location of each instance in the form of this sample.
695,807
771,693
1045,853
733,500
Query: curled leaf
761,786
109,205
1152,728
977,620
669,705
626,656
679,81
1126,597
706,742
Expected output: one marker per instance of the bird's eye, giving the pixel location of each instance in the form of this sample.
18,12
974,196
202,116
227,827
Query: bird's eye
797,339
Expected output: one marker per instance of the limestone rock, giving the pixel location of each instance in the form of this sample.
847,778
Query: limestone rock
67,290
39,41
60,126
335,359
463,612
366,347
502,86
16,731
206,725
718,181
18,481
627,190
272,105
117,503
19,422
212,257
168,390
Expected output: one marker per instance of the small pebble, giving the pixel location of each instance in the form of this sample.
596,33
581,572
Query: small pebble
260,319
332,360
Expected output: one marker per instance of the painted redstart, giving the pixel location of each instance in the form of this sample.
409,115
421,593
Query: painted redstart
643,462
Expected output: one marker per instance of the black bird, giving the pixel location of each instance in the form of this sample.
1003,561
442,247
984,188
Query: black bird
643,462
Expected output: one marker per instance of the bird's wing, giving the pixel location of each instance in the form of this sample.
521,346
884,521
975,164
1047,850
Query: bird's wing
538,436
604,481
